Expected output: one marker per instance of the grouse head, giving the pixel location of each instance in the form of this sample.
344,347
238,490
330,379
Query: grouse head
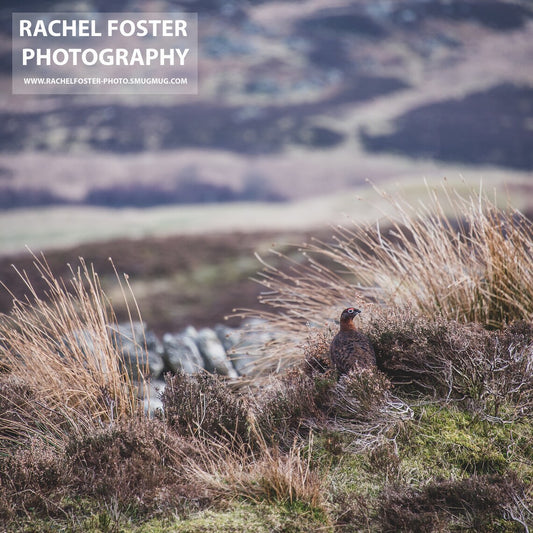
347,317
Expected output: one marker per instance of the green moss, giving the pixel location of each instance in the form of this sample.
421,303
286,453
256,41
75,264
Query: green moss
353,482
444,442
87,516
247,519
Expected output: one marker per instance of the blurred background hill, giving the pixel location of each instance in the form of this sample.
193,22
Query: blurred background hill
300,102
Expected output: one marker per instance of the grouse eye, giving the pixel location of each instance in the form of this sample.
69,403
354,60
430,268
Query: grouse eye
350,311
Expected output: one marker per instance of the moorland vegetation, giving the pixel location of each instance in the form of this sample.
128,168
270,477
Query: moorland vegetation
438,439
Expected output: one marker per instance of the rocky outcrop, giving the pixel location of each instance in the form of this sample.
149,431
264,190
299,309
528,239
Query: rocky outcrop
222,350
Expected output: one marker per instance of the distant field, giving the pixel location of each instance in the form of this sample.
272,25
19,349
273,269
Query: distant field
313,101
58,227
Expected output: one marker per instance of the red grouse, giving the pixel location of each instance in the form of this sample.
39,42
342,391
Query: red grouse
350,348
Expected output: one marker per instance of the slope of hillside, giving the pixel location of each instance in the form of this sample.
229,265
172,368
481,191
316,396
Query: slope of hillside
287,89
436,437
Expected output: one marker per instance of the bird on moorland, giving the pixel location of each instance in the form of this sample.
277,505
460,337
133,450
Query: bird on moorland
350,348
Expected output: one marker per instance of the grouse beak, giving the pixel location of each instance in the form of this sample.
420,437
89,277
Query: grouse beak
357,311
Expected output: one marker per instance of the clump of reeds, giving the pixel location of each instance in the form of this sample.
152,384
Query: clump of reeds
59,346
458,257
452,256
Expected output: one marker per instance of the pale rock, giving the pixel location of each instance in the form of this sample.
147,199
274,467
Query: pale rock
213,353
181,353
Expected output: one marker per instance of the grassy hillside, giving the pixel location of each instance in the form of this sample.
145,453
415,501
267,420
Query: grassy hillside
288,89
59,227
175,277
437,438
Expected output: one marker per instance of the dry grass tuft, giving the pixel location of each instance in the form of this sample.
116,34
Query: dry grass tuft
456,257
287,477
24,415
449,257
265,474
60,348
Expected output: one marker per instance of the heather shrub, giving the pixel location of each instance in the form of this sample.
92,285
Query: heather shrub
316,352
473,504
203,405
358,405
489,371
291,404
363,408
136,463
352,511
32,477
384,458
22,414
359,395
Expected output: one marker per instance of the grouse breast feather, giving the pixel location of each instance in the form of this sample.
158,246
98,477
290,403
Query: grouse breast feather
350,349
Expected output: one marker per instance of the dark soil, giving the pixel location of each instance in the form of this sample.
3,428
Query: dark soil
196,280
